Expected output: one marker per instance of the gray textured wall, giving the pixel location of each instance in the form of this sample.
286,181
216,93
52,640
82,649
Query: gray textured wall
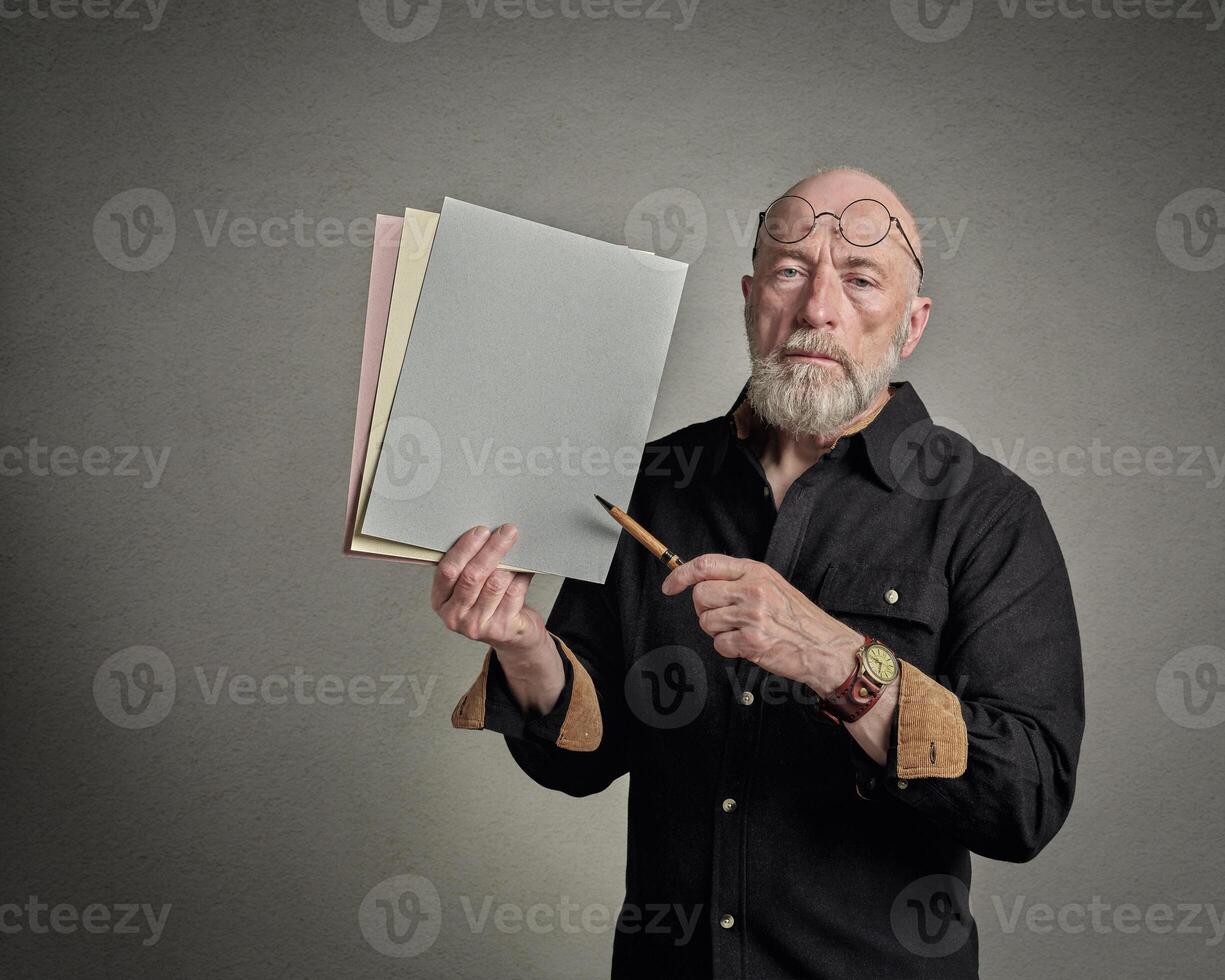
1051,158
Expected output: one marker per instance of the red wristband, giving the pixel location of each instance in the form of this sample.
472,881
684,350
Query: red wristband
852,698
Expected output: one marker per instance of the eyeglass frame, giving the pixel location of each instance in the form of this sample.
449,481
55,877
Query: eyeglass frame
817,216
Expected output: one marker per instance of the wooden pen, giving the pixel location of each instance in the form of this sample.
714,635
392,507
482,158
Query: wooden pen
642,535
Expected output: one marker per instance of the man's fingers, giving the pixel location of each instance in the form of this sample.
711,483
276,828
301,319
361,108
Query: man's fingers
712,593
453,562
491,595
502,621
707,566
462,570
472,576
720,620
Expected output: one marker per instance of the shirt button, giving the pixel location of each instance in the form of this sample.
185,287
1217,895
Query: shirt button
746,697
891,596
765,491
729,805
727,921
902,784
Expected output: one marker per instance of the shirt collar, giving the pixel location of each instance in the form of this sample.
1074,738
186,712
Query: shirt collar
878,438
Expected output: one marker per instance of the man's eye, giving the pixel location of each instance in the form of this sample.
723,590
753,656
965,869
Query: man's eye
862,283
782,273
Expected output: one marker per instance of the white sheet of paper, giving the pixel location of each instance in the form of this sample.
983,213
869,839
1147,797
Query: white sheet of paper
527,387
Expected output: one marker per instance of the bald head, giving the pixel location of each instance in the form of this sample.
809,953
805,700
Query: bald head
834,188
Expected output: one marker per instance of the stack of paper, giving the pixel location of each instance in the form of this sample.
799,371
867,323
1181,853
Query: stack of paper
509,373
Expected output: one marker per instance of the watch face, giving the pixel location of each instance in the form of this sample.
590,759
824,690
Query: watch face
880,662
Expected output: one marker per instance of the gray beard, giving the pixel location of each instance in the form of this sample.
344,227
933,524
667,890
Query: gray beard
807,398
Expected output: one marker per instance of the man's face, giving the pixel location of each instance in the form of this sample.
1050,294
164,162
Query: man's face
827,321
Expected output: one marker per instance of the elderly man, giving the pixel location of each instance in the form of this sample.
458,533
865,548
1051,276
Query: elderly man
868,669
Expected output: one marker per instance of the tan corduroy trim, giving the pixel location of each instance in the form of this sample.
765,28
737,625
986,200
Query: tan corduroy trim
469,711
743,416
581,730
931,732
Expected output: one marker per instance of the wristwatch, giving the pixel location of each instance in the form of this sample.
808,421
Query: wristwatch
876,668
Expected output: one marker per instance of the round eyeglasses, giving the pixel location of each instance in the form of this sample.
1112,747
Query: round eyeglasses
863,223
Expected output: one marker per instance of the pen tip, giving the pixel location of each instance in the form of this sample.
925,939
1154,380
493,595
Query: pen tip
607,505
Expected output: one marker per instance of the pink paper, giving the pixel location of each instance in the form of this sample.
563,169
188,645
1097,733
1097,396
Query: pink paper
386,251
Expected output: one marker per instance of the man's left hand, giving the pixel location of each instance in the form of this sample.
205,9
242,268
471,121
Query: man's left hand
751,611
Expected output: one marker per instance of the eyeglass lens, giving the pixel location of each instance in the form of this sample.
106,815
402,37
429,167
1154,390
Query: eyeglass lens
790,219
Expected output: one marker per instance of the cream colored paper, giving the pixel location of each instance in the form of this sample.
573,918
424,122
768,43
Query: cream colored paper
415,239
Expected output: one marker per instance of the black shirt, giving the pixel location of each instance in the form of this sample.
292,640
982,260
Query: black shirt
762,840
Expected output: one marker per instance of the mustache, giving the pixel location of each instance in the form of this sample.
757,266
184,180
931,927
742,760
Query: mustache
816,344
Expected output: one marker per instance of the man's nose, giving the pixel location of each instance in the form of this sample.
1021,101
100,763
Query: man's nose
821,305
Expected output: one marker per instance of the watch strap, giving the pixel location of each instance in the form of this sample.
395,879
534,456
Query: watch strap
852,699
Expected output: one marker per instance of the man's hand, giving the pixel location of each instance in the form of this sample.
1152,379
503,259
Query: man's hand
483,602
751,611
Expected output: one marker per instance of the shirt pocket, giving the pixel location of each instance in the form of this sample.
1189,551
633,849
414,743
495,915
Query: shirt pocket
905,607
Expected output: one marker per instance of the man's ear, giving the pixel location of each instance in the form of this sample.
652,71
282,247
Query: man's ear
920,310
746,283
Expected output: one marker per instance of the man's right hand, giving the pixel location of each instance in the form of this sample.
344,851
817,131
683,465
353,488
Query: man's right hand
476,599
